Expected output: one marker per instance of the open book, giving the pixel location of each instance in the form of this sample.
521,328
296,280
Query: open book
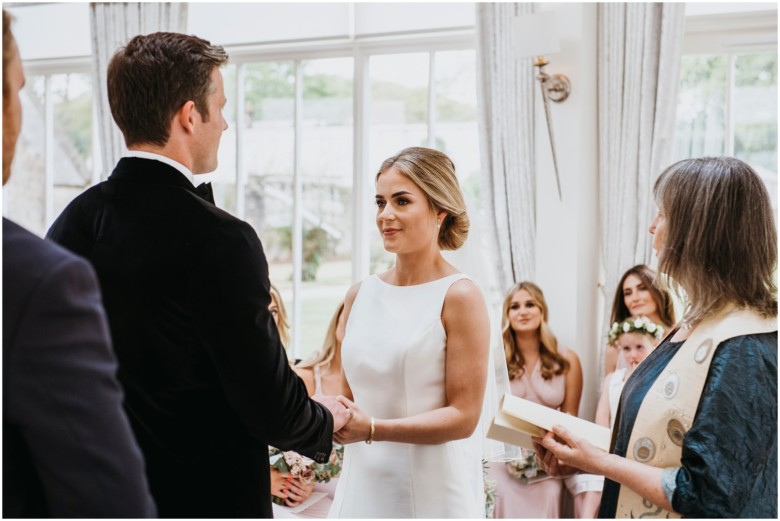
518,419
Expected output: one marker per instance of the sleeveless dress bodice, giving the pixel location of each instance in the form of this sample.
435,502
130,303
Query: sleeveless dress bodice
393,355
535,388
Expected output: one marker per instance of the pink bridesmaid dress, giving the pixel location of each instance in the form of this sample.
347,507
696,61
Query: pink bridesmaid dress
515,499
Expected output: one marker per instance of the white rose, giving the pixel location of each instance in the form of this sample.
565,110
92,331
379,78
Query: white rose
651,327
638,323
626,327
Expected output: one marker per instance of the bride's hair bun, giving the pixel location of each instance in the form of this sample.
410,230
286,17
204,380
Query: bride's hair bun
434,173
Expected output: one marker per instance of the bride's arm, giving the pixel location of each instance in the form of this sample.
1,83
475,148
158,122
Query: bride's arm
467,327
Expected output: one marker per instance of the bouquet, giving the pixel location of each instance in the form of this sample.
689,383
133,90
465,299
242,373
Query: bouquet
526,467
306,469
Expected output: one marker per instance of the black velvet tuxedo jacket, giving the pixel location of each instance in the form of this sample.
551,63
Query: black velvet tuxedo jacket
68,450
207,381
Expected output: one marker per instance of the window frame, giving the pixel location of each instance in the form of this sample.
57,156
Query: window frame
730,34
361,49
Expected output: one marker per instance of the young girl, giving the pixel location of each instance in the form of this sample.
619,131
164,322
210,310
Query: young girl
634,339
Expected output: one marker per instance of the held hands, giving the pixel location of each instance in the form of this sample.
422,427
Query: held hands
292,490
560,454
358,428
340,413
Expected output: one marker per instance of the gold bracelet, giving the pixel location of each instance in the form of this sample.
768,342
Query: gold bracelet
370,439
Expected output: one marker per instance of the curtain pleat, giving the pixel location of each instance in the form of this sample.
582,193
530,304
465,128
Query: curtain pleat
112,26
506,126
639,50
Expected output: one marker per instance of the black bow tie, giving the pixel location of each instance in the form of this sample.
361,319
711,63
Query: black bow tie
204,190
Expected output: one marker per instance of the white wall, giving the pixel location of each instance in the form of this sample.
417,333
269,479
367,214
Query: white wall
567,252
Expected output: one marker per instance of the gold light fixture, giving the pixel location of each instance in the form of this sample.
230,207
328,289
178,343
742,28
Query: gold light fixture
556,87
536,36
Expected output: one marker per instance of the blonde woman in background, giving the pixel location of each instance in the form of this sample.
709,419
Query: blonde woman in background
322,371
279,312
540,371
322,375
292,490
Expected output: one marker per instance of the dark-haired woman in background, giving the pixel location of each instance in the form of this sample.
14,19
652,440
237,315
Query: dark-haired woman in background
637,295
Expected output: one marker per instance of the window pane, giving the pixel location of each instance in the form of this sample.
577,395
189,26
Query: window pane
268,150
399,115
72,99
23,194
326,155
52,30
755,114
456,118
701,105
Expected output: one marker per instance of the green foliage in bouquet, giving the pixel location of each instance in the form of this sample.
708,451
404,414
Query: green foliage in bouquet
525,468
306,469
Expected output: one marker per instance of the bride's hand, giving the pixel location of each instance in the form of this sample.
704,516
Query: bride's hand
337,409
357,428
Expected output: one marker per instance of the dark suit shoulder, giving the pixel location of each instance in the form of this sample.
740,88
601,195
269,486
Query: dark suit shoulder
27,257
30,263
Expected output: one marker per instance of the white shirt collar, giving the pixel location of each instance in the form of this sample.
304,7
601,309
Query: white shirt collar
163,159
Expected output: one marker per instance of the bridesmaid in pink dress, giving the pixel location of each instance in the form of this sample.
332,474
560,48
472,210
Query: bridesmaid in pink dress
541,371
322,375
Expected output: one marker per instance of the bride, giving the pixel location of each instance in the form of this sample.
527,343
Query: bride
415,357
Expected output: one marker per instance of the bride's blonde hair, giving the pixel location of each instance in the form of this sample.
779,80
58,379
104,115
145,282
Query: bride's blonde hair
434,173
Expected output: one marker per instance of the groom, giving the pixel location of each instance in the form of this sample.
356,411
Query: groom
186,290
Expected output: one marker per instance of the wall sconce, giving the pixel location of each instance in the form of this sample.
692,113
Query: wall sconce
536,35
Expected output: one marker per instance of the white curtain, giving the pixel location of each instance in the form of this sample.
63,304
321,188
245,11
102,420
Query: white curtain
506,127
639,49
113,25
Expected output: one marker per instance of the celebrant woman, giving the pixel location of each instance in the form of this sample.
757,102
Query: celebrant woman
696,432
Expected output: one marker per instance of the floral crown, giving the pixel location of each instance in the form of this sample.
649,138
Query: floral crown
641,325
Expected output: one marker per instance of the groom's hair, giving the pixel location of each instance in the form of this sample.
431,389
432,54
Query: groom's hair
153,76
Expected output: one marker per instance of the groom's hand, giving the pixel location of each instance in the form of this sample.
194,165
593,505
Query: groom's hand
340,413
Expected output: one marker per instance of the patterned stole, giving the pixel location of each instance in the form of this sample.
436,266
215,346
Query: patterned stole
668,409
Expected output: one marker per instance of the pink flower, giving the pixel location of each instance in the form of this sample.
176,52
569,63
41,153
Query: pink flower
306,475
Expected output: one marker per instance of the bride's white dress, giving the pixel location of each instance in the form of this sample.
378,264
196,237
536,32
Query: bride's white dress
393,356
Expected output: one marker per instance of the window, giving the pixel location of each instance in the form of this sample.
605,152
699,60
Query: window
727,102
312,112
55,151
